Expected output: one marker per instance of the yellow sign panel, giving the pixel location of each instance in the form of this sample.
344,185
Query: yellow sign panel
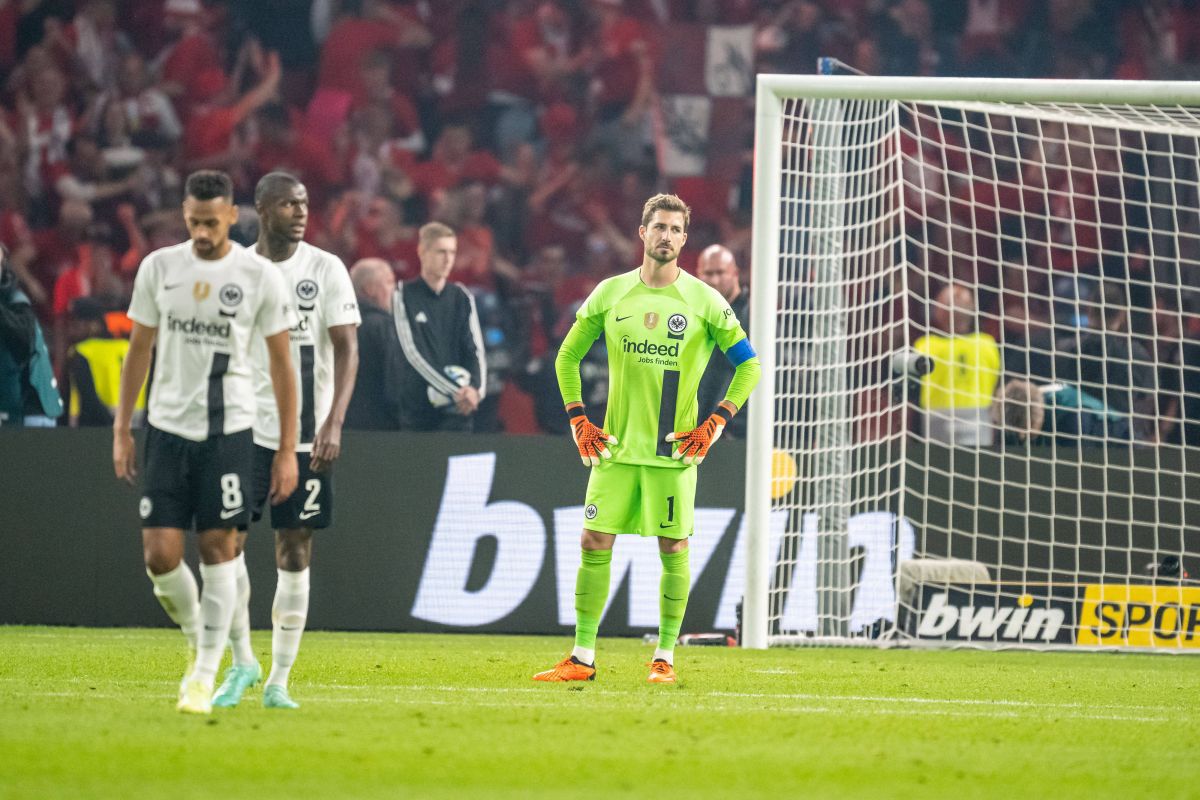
1140,616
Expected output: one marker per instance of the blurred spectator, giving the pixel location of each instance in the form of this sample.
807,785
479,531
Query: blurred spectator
476,264
189,68
93,41
1105,360
57,248
381,232
445,373
376,90
1056,413
796,35
93,368
94,275
147,109
956,395
28,391
363,27
719,270
44,124
86,176
532,58
454,161
375,404
211,140
284,145
16,236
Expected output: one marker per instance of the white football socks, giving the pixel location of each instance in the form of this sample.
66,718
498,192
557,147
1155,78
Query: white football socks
664,655
288,615
239,627
585,654
216,612
179,596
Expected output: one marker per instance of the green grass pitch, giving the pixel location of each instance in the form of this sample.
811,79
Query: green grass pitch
90,713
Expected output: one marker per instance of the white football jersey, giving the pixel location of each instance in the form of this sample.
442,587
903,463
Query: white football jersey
318,285
208,314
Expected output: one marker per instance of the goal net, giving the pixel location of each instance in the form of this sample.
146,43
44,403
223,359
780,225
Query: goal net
976,304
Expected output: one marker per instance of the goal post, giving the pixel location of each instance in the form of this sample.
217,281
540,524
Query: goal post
888,211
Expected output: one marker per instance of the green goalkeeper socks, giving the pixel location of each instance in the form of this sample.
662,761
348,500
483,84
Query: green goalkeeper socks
674,586
591,592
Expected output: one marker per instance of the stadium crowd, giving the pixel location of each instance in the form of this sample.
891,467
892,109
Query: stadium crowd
527,126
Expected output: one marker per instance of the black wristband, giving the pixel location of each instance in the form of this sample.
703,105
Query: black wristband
576,411
724,413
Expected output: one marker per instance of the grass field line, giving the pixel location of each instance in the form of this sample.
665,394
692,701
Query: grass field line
554,701
834,703
609,690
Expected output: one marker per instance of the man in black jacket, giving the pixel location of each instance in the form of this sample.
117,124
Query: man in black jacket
718,268
375,404
445,374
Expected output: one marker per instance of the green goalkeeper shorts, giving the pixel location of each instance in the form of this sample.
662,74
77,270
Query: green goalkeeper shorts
648,501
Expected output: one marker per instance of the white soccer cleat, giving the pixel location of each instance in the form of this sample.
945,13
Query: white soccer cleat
195,698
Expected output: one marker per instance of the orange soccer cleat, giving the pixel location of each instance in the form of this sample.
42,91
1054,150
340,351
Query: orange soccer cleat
569,669
661,672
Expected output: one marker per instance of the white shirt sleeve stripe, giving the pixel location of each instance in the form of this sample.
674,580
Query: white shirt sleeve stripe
477,337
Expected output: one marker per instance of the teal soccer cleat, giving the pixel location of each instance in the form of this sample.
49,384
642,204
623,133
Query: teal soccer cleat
277,697
238,679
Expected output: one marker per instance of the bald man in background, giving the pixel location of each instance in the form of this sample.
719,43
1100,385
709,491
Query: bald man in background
718,268
375,404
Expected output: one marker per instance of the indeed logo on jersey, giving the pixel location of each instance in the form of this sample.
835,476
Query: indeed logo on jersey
669,352
646,347
198,327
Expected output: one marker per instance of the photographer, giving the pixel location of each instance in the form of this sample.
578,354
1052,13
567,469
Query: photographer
28,391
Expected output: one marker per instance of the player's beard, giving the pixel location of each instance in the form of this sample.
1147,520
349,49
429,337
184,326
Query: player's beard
662,256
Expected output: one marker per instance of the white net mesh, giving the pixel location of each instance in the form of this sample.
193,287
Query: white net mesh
1032,489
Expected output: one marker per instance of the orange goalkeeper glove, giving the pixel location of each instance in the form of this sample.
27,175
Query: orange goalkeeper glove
694,444
591,440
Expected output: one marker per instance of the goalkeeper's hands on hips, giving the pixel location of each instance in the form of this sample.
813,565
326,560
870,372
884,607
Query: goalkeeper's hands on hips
694,444
591,440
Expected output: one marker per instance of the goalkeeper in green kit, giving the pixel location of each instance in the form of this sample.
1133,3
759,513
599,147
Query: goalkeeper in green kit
660,326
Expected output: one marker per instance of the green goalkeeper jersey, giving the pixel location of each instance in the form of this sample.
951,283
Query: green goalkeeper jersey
659,342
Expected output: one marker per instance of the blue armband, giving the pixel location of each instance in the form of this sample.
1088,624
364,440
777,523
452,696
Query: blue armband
742,351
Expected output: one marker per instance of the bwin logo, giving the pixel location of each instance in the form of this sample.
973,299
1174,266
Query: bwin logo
1018,624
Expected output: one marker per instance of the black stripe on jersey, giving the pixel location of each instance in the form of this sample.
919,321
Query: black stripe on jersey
308,412
666,410
216,394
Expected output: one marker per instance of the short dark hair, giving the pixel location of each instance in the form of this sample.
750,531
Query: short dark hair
209,184
666,202
272,185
